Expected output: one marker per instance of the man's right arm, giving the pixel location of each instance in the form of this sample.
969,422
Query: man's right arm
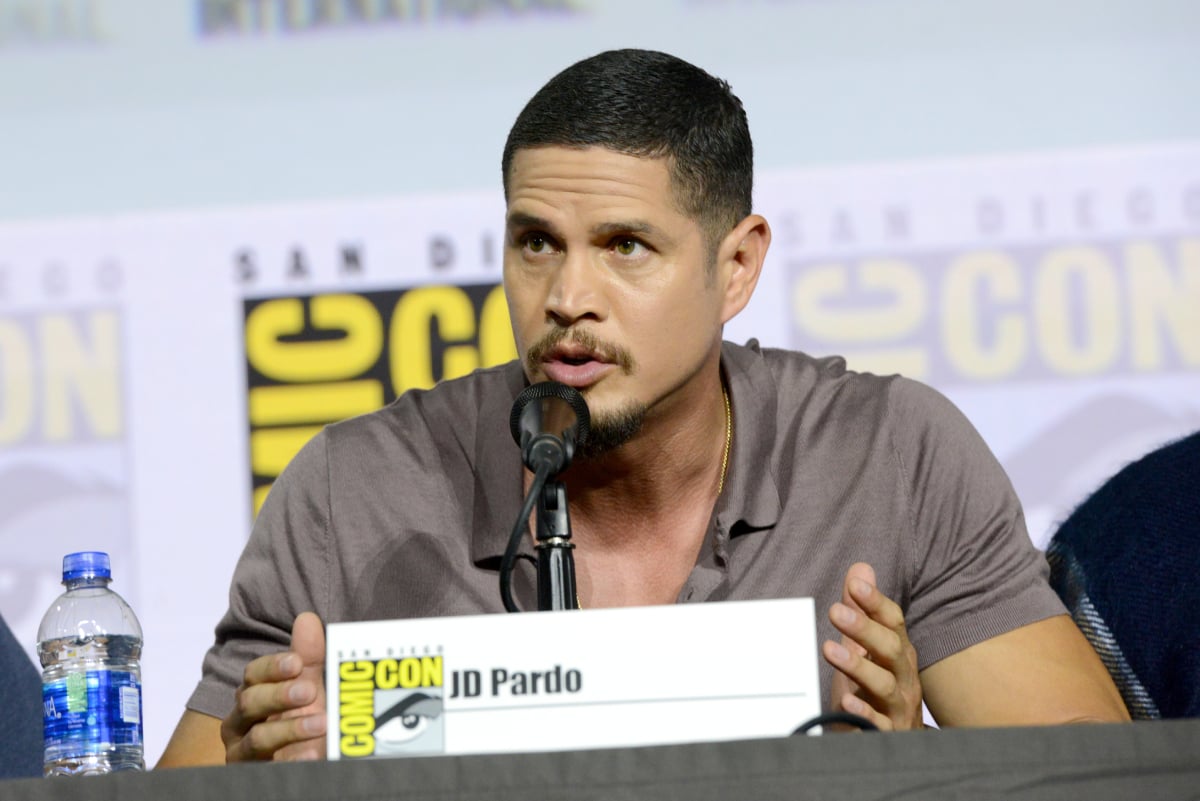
278,711
195,741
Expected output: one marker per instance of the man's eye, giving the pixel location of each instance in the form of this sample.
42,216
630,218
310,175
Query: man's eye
536,243
627,246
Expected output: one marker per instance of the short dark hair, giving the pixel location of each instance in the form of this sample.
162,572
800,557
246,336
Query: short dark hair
651,104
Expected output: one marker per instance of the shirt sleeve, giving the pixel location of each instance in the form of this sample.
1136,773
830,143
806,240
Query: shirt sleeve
974,573
282,572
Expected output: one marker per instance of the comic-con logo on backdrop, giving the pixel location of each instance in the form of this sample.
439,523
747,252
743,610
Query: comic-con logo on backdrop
63,456
1060,310
1077,273
315,359
1082,272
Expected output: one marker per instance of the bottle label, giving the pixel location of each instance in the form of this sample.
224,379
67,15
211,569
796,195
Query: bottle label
92,710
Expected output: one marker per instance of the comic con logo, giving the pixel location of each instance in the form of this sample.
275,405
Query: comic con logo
63,456
316,359
390,706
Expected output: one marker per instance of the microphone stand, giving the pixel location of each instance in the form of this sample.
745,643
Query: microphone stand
555,562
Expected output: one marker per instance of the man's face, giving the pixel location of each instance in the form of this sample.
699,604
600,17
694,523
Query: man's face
607,282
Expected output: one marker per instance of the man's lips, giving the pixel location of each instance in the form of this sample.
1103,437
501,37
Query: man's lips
576,358
575,367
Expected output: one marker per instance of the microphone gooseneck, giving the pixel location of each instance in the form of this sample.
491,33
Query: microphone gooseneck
549,421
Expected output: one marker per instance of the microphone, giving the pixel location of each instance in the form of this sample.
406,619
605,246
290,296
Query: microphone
548,421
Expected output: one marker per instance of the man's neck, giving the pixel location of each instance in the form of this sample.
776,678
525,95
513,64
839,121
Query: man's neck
675,463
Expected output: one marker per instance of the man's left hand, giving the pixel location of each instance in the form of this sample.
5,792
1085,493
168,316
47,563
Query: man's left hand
875,664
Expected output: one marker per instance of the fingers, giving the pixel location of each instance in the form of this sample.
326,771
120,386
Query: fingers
270,686
875,655
256,702
279,711
308,643
871,623
857,706
874,603
875,681
308,639
268,719
281,739
272,668
307,650
303,751
875,622
860,571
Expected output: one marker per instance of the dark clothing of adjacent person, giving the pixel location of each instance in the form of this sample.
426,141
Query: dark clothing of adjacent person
1127,564
20,710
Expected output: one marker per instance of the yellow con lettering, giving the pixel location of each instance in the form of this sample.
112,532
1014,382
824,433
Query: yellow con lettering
1071,310
387,674
16,382
471,343
356,696
80,371
411,344
898,306
431,671
88,372
318,375
356,671
496,343
995,276
1158,300
347,356
408,673
1099,320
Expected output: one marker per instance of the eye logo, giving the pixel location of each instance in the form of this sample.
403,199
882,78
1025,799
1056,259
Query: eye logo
391,707
411,725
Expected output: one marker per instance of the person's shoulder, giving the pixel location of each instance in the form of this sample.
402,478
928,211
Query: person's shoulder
1170,466
1154,494
815,379
787,365
829,388
450,408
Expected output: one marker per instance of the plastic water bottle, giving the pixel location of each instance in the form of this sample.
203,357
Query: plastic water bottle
90,644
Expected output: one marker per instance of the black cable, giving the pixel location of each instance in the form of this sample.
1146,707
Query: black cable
518,531
836,717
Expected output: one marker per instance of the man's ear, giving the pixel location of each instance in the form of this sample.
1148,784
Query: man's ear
739,263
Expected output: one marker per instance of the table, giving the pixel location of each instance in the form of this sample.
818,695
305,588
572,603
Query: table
1143,761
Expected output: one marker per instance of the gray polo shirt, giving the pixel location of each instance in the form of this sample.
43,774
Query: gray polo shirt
405,512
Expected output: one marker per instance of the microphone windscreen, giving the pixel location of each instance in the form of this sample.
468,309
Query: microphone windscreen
549,407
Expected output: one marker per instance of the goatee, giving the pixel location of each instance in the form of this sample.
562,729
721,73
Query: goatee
611,430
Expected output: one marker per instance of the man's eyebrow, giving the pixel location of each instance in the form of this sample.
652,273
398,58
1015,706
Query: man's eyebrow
522,220
519,219
624,227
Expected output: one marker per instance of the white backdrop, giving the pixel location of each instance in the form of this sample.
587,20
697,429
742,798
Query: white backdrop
1002,199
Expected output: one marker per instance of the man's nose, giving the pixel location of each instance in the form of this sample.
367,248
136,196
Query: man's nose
577,292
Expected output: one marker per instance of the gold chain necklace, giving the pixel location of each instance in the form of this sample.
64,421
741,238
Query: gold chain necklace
724,461
728,439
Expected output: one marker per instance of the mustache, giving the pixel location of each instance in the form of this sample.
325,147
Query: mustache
585,339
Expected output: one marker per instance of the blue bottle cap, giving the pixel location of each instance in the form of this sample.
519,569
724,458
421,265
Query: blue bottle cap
86,564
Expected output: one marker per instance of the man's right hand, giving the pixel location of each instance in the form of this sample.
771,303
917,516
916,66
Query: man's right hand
280,708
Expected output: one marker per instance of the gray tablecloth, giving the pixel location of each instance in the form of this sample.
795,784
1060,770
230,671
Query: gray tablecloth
1140,761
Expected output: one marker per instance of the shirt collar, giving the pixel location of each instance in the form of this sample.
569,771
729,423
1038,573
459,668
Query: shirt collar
749,502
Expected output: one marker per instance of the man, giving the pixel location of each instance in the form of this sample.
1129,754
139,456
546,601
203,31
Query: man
712,471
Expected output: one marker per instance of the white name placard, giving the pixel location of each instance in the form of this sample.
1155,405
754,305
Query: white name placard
571,680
